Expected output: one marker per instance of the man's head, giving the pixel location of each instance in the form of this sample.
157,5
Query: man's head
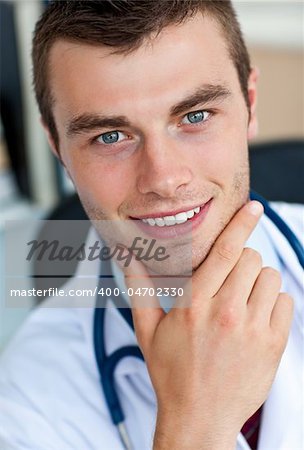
150,105
124,25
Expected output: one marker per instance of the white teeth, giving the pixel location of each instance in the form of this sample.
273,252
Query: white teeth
169,220
190,214
172,220
181,217
160,222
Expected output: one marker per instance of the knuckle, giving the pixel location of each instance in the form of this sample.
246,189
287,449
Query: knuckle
255,330
272,275
227,318
190,317
253,255
225,250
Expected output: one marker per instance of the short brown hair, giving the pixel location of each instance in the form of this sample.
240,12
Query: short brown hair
124,25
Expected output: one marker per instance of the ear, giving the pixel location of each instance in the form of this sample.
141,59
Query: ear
252,96
50,140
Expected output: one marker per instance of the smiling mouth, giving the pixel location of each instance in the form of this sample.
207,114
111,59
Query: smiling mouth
171,220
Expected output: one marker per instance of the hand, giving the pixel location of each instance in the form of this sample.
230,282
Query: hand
212,364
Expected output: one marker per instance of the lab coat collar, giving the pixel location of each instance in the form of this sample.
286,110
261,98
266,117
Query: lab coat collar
284,250
291,268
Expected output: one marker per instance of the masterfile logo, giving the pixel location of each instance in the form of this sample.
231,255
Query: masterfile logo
141,248
42,259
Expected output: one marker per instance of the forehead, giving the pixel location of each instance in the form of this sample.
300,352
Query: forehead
86,77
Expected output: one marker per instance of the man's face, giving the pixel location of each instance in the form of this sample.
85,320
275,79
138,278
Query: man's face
155,132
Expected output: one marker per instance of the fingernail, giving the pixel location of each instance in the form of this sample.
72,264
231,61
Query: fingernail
255,208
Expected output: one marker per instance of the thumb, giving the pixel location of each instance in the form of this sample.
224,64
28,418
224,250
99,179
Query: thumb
146,310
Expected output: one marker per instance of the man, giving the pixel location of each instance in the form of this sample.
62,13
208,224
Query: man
149,106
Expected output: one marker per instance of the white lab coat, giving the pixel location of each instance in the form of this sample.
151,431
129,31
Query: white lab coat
50,395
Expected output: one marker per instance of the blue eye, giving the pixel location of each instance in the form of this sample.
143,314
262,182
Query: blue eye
112,137
195,117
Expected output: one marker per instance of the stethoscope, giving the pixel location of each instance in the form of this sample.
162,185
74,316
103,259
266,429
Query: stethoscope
107,363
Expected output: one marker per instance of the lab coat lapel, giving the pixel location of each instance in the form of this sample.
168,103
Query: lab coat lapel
282,421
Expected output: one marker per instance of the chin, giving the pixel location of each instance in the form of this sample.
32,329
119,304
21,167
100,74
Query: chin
199,254
201,249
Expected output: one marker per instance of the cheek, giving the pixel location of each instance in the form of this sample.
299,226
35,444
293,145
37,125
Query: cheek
221,152
220,159
103,186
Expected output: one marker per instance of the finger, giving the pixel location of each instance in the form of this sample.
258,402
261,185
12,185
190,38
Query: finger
146,310
238,286
264,294
226,250
282,315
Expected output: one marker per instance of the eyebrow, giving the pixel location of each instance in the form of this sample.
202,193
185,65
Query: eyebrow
205,94
88,122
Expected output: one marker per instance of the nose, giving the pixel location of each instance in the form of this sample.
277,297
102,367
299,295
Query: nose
164,168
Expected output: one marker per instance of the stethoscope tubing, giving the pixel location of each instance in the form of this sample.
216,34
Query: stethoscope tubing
282,226
107,363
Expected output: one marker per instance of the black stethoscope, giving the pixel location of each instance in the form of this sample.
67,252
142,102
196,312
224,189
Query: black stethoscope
107,363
